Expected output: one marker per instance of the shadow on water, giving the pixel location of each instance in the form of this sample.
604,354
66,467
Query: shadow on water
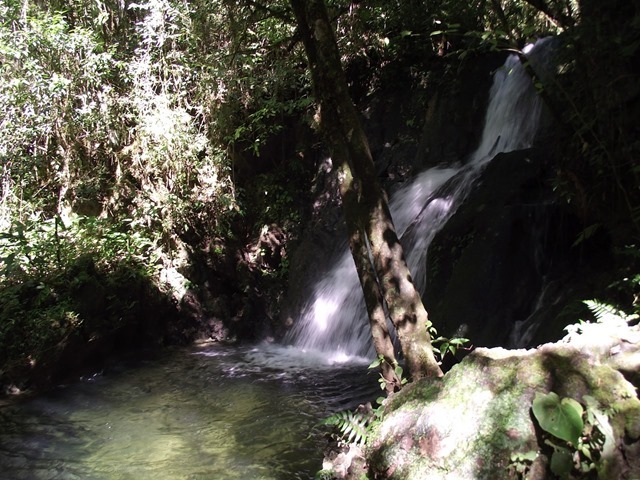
210,412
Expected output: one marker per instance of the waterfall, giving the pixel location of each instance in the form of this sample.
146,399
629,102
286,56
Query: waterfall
335,318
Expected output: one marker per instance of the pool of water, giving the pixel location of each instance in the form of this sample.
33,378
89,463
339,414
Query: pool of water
210,412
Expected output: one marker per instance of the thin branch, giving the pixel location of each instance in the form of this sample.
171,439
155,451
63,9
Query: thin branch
282,14
558,18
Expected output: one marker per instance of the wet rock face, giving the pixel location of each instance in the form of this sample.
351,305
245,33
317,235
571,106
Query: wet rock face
410,128
503,267
477,422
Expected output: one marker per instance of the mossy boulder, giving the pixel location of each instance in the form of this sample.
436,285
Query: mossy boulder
477,422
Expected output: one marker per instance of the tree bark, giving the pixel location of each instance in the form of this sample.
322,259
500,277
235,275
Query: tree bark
369,213
373,297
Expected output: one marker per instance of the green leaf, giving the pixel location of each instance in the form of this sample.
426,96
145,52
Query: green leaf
586,234
9,259
600,420
377,362
561,463
529,456
586,451
560,418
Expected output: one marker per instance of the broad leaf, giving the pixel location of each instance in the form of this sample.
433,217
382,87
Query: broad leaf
560,418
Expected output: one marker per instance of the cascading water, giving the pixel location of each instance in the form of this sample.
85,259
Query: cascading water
334,319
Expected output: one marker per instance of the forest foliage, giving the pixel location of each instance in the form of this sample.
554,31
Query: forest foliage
137,131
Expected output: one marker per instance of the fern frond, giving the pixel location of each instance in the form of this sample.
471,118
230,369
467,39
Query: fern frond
586,234
350,426
600,310
605,312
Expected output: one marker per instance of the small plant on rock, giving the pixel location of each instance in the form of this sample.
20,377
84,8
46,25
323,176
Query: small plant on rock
579,433
386,384
444,346
352,426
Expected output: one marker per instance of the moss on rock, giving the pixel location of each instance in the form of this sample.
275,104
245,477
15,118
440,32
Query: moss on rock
470,424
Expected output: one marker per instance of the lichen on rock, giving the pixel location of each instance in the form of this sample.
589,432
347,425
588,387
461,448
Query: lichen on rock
474,422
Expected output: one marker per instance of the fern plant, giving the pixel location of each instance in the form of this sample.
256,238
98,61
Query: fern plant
352,426
604,312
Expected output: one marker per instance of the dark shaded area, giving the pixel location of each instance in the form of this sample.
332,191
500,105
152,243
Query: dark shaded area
71,323
503,270
237,279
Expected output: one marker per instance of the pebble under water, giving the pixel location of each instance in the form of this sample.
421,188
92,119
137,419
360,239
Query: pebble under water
211,412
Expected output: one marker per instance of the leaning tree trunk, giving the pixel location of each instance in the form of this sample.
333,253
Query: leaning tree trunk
349,146
373,297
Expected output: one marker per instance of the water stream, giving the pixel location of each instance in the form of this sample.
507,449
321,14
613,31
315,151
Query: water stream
204,413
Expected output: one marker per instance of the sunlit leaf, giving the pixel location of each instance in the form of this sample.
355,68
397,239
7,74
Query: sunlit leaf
561,418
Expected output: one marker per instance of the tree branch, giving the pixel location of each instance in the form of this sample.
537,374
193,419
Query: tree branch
282,14
558,18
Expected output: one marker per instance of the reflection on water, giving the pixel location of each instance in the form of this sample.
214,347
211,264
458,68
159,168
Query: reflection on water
206,413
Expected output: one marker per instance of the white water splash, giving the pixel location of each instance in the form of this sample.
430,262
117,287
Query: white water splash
335,318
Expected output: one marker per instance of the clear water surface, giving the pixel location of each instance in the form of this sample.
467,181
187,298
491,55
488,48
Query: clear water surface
211,412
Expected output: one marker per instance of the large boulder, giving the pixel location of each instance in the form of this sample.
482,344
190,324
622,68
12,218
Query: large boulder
477,422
